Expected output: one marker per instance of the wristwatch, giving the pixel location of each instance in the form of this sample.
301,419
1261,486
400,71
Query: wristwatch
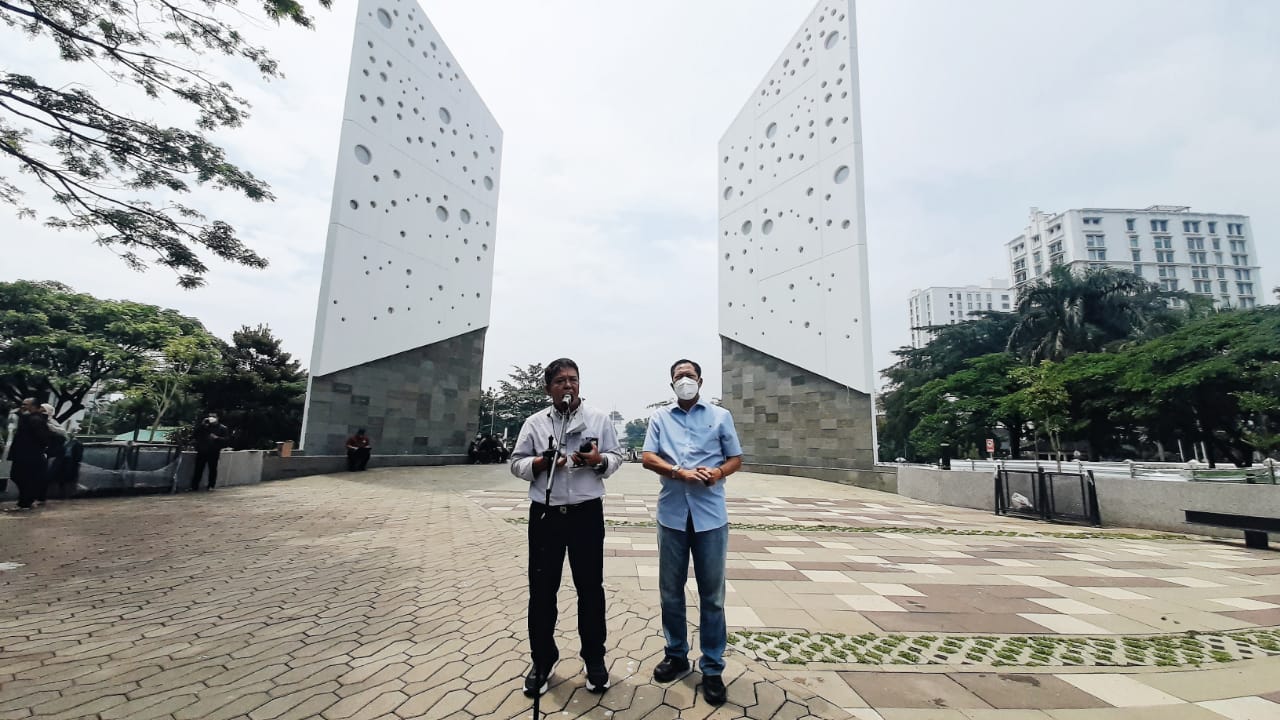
675,471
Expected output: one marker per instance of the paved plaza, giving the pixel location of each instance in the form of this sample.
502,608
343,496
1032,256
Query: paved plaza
401,594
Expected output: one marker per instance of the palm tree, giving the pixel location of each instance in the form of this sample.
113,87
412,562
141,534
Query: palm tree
1069,312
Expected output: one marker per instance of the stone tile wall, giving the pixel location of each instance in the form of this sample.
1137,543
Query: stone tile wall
424,401
788,416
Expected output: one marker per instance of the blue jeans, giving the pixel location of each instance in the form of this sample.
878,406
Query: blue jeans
709,550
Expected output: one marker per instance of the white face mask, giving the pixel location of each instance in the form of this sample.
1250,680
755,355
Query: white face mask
686,388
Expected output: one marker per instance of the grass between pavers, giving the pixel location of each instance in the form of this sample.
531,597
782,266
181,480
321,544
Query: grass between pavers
1084,535
1189,649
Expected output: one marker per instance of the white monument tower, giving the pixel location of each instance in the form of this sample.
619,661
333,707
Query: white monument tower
408,269
793,304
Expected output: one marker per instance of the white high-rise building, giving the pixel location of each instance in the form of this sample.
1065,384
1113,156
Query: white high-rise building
935,306
1211,254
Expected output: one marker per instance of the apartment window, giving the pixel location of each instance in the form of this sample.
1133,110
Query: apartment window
1222,286
1095,241
1199,258
1213,227
1195,243
1020,276
1039,269
1239,259
1169,284
1237,245
1055,247
1020,264
1098,254
1201,272
1167,271
1004,306
1247,303
1055,229
1137,270
1217,258
1243,275
1190,226
1093,221
1019,249
1129,224
1164,256
1133,241
1164,242
1159,226
1235,228
1204,287
1217,243
1222,272
1035,256
1055,260
1035,239
1244,288
1136,253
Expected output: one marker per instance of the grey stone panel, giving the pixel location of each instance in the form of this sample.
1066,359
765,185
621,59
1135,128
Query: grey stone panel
424,401
788,416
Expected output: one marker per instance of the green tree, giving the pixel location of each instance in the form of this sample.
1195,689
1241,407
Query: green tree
257,389
180,360
967,407
506,407
113,171
1069,312
1212,377
1043,398
62,345
635,432
946,353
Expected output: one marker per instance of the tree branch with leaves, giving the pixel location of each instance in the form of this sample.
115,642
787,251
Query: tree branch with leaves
110,172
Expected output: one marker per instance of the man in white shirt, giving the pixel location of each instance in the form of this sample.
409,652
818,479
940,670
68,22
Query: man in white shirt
565,452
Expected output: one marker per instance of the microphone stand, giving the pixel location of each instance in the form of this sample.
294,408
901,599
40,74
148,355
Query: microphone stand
546,508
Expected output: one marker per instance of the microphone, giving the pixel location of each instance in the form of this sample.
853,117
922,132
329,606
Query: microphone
566,399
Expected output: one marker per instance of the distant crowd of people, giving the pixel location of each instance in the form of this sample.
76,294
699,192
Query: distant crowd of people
39,454
488,448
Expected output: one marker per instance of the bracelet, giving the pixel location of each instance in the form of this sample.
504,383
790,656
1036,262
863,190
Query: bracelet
675,472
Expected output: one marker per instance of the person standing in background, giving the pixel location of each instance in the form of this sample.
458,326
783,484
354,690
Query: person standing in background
210,437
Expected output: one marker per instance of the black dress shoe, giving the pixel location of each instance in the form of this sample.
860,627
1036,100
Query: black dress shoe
670,668
536,682
597,677
713,689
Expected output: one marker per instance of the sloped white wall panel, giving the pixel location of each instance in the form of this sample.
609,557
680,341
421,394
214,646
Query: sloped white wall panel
793,270
412,235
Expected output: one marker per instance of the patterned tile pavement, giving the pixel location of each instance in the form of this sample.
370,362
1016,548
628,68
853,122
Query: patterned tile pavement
400,594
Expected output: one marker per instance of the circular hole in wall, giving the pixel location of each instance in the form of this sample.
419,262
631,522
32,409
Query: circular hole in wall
355,205
445,117
771,130
363,155
442,213
746,228
408,271
728,192
832,38
488,183
844,225
767,227
384,17
465,216
842,173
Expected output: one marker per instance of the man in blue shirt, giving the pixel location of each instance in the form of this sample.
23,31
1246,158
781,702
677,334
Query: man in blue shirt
693,447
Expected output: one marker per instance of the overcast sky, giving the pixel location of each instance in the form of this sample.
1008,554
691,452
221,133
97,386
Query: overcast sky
972,112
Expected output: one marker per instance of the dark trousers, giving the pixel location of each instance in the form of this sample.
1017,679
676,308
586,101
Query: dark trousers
579,530
358,458
203,459
29,475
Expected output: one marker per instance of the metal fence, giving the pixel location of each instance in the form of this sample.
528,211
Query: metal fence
1038,494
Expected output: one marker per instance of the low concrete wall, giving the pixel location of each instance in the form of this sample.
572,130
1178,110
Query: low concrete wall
882,479
235,467
962,488
1158,505
285,468
1125,502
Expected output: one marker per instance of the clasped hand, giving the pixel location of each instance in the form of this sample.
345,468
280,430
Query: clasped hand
706,475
